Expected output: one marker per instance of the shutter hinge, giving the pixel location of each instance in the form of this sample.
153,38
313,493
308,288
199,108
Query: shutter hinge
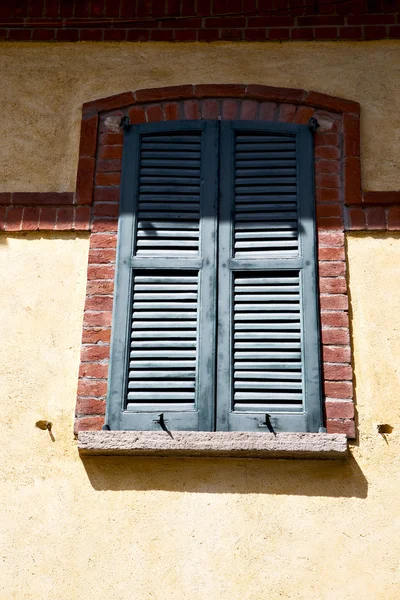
125,123
322,430
313,125
106,427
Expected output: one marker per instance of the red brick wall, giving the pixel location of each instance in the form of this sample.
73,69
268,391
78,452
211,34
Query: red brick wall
337,180
204,20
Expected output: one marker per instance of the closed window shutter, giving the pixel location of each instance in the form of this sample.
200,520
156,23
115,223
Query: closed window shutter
268,346
165,303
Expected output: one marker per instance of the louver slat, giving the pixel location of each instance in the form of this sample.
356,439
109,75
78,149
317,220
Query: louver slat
265,193
169,195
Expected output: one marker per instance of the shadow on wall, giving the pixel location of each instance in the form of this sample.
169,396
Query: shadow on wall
228,476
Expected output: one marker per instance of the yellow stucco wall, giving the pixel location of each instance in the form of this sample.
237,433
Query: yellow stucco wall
43,87
123,528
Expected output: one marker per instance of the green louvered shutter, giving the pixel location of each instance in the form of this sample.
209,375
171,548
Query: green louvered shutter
268,345
165,304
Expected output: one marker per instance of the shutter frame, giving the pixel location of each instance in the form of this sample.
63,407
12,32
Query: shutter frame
202,417
310,417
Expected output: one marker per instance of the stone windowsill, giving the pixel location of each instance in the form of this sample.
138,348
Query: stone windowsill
214,444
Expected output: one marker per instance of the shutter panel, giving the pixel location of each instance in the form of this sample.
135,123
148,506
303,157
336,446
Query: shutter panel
164,318
268,345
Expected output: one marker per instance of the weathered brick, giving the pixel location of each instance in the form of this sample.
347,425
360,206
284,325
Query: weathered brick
267,111
105,166
333,302
328,195
326,138
339,410
111,179
332,285
357,219
92,388
109,103
48,217
352,180
171,111
230,109
210,109
332,103
65,219
381,198
336,318
106,210
84,182
100,288
336,354
137,114
102,256
103,240
329,210
99,318
328,180
154,113
82,218
327,166
351,135
375,217
88,139
326,238
191,109
90,406
286,113
165,93
327,152
95,335
393,218
101,272
275,94
337,372
95,353
338,389
13,220
101,303
345,426
93,370
248,110
101,225
30,218
331,254
332,268
110,152
219,90
111,139
107,194
88,424
334,335
303,115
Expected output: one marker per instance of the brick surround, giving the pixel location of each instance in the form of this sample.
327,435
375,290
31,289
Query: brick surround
203,21
337,181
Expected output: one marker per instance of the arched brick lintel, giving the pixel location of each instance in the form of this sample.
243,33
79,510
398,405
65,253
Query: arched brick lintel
251,92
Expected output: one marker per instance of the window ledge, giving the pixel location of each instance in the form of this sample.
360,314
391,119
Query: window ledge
214,444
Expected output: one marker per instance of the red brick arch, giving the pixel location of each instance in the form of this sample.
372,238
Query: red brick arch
337,183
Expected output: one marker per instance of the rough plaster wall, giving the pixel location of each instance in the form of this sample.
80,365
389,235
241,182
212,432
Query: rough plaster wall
43,87
123,528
